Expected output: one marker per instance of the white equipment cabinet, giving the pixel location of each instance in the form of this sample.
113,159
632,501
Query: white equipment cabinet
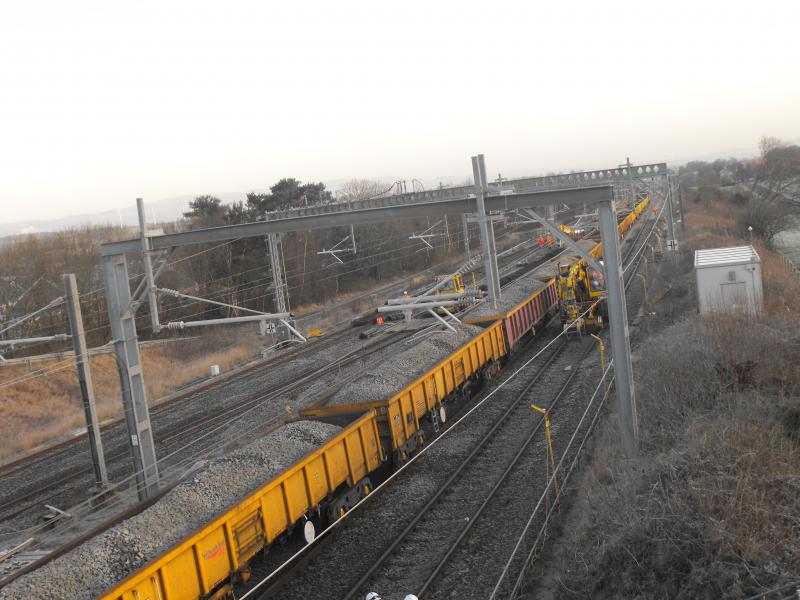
728,279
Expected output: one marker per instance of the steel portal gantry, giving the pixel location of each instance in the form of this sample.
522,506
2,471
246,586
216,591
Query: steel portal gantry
588,188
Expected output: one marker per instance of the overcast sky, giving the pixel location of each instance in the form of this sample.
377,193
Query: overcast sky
102,102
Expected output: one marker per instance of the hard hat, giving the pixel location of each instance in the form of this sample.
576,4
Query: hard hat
373,596
411,597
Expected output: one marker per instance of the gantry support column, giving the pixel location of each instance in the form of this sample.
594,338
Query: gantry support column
147,262
493,246
465,227
672,243
278,286
85,380
618,322
487,247
131,378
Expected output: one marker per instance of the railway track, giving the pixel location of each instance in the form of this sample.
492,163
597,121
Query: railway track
174,433
373,502
20,492
169,439
32,459
441,526
470,561
441,549
197,425
67,532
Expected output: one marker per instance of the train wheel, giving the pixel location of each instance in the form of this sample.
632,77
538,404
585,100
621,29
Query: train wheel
309,532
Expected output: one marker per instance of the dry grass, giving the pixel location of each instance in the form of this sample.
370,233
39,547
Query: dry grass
711,508
42,404
714,226
715,217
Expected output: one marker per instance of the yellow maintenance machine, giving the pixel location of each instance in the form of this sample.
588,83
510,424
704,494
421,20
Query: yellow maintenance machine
455,283
568,229
581,289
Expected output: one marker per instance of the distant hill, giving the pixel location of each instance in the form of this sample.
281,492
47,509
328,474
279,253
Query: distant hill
169,209
159,211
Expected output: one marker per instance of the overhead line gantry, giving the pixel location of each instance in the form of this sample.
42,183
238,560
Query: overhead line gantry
588,188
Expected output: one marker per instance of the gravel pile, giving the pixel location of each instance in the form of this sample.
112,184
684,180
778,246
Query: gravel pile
103,561
403,368
512,295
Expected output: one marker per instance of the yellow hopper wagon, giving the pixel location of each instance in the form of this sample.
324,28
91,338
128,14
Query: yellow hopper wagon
209,562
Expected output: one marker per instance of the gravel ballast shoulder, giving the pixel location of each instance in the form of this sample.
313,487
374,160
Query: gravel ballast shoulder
404,367
108,558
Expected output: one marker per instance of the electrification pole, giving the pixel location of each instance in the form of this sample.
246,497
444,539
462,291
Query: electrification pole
486,240
465,227
85,380
618,324
147,261
131,377
277,280
672,243
630,201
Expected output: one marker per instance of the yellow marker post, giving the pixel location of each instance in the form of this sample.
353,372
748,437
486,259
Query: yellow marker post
602,357
549,444
645,270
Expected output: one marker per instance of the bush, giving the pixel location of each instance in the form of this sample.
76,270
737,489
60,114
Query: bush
710,508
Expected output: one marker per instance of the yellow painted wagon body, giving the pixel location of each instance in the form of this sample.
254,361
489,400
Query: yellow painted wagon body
399,416
203,565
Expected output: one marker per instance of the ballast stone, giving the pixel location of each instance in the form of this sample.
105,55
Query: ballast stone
513,294
403,368
105,560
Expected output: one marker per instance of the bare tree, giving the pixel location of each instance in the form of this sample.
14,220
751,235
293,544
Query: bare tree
774,196
360,189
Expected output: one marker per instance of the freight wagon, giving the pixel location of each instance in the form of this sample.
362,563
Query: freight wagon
400,416
519,318
322,484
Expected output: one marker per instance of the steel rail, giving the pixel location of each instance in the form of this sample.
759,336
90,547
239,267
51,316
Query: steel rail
427,584
498,485
184,430
445,487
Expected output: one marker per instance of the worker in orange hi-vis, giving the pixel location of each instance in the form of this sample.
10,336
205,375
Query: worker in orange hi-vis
549,241
379,320
406,294
541,241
